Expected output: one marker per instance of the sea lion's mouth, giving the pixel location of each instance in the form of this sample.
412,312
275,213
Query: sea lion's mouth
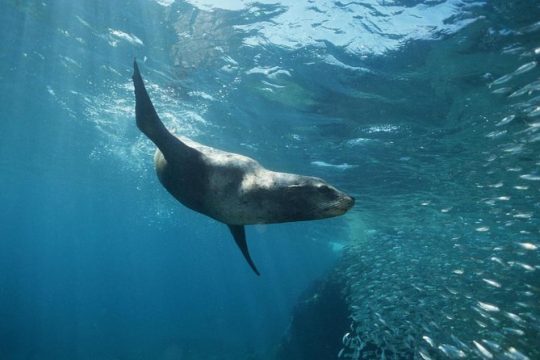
341,206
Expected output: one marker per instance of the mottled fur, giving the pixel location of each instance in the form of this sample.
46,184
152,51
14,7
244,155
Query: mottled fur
237,190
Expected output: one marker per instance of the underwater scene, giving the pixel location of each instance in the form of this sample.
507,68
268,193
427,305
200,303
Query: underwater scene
427,113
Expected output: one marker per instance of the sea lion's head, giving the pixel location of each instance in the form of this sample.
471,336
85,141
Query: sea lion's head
316,199
288,197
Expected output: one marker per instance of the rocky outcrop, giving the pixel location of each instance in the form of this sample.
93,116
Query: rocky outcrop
319,321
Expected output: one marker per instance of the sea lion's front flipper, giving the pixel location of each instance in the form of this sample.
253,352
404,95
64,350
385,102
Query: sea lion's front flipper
239,234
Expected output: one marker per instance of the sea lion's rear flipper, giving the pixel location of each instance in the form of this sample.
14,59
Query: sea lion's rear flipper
151,125
147,118
239,234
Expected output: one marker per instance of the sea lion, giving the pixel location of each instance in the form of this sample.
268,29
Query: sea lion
231,188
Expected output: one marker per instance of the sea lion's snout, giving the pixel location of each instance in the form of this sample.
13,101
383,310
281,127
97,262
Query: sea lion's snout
341,206
350,201
347,202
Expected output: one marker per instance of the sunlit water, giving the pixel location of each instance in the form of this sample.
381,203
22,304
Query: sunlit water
427,112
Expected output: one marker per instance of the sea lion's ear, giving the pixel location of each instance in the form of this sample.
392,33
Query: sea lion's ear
239,234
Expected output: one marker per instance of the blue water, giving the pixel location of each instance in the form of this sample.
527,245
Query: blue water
428,113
